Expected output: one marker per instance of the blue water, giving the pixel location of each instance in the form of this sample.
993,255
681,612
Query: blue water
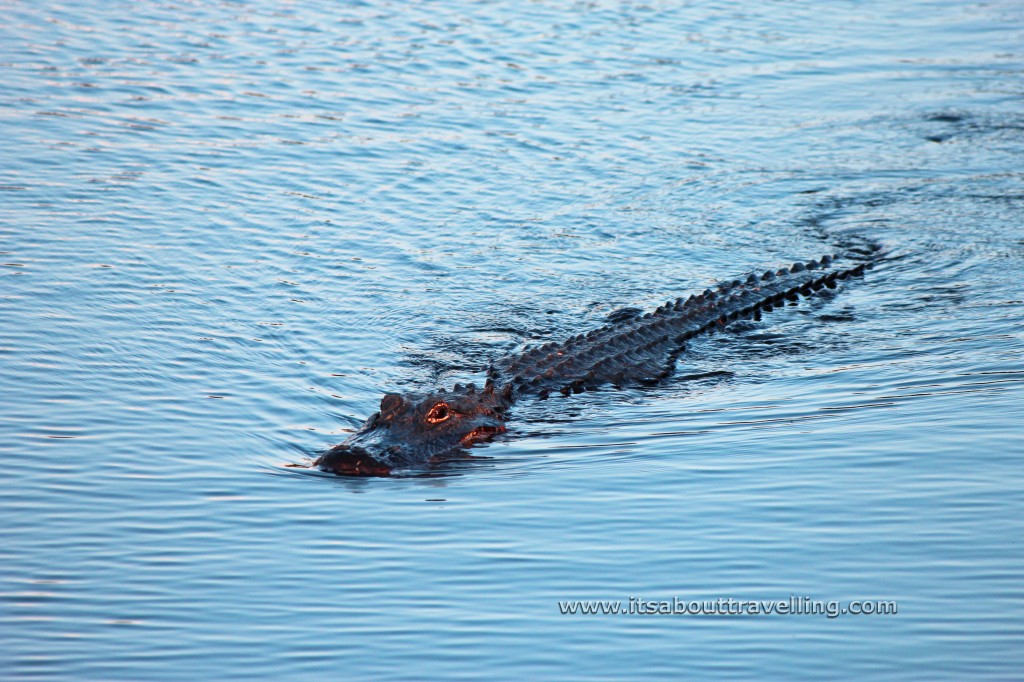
227,229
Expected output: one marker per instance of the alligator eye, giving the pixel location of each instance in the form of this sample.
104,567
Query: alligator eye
438,413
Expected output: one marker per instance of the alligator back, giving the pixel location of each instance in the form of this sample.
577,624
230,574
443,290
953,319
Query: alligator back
643,349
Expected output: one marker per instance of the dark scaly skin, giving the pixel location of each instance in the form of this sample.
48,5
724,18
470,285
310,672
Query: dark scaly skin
422,428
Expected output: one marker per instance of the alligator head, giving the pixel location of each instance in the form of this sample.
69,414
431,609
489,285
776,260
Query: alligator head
419,428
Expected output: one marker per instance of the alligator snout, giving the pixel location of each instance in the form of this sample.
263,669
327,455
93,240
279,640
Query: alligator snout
352,461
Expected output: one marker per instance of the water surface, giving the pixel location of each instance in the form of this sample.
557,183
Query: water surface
227,229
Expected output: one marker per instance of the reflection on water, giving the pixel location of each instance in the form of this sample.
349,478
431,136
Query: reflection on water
226,230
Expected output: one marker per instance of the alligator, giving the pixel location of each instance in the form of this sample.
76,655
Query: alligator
425,428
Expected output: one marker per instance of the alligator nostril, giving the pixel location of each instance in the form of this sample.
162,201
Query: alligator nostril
352,461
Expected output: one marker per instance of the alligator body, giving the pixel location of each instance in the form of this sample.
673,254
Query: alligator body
416,429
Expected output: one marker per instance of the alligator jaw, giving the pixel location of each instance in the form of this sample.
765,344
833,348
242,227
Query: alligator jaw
481,433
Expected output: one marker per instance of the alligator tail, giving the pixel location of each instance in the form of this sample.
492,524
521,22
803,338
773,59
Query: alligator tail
643,349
